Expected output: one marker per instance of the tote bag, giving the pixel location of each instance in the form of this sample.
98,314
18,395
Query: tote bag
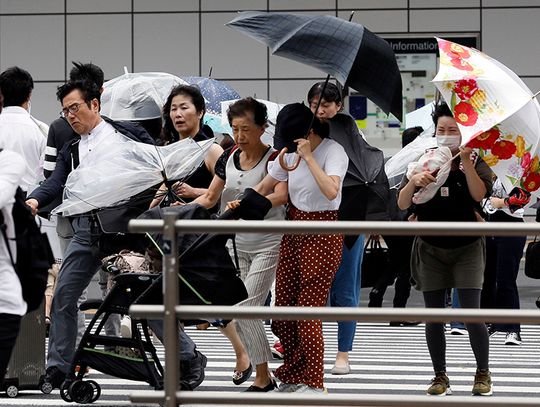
532,260
374,262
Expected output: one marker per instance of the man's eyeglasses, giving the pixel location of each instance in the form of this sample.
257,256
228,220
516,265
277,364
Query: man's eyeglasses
74,108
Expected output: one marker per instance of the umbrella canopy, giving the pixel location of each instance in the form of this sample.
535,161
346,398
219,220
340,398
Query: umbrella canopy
206,270
495,111
137,96
421,117
216,123
370,195
125,169
214,92
348,51
396,166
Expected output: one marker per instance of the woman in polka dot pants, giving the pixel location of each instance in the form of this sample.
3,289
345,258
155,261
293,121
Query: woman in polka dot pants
307,263
307,266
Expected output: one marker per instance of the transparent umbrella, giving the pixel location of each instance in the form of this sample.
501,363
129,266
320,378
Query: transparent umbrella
126,168
137,96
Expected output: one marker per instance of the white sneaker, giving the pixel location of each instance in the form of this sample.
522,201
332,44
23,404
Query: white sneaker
512,338
458,331
125,327
286,388
305,389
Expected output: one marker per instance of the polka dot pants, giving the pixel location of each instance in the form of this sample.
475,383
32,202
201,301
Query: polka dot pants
306,268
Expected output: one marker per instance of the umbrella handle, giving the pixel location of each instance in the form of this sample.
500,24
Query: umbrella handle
282,161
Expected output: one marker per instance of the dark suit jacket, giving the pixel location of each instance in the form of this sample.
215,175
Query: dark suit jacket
52,187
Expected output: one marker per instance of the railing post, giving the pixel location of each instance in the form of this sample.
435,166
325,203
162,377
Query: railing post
170,324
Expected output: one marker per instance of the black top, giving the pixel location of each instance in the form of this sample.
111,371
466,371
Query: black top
200,177
451,203
60,134
221,163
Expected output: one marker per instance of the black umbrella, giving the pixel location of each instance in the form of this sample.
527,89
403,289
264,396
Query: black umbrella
348,51
208,274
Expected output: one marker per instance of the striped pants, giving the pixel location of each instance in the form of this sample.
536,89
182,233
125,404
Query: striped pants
258,271
306,268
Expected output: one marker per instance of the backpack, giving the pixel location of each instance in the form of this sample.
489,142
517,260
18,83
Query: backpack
34,254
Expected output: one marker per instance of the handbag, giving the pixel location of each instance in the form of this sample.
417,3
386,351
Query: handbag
374,262
532,259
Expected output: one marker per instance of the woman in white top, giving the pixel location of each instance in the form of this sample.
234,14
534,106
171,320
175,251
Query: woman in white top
503,255
307,263
239,167
12,305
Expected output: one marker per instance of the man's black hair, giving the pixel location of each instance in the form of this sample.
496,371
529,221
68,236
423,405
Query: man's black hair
87,72
89,90
410,134
16,85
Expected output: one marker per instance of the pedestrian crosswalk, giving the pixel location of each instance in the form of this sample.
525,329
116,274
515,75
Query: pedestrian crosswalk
385,360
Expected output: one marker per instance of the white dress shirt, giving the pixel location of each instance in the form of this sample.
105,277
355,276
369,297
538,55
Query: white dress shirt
103,133
12,170
20,133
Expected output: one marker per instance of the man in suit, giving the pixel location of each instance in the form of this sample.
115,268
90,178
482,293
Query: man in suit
80,101
61,133
80,106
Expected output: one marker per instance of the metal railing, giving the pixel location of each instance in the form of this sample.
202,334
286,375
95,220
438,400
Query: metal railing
169,226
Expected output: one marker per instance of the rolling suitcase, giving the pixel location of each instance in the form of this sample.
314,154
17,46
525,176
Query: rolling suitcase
27,363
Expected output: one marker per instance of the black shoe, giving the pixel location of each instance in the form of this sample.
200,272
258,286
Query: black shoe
240,377
375,298
269,387
54,376
538,302
404,323
192,372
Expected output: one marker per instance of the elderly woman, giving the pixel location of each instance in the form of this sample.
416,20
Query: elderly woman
439,263
182,115
307,263
240,167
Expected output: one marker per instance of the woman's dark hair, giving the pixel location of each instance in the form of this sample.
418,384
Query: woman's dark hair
410,134
322,129
331,93
241,107
441,110
169,133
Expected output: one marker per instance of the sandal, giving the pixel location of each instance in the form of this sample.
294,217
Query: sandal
240,377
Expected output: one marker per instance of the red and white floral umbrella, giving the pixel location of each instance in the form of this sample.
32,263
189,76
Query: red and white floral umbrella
495,111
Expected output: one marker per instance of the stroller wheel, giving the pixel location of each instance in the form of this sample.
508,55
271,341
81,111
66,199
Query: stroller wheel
97,390
12,391
64,391
81,392
46,387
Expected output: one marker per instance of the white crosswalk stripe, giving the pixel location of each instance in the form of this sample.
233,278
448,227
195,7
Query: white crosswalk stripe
386,360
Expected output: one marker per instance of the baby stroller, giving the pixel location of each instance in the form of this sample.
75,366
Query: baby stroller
138,361
207,276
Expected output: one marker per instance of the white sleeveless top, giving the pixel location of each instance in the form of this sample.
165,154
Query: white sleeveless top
235,184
